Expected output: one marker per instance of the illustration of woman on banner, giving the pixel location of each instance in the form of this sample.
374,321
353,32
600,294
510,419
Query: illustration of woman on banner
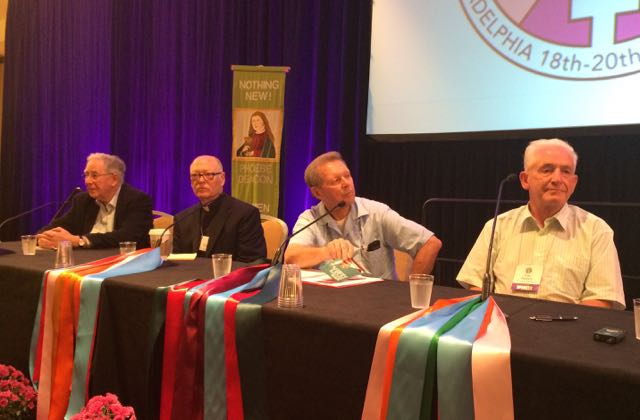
259,141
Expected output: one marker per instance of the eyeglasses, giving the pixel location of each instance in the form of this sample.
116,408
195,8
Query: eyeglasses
93,175
209,176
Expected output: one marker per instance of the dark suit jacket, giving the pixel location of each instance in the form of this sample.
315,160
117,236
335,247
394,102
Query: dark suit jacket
235,229
132,221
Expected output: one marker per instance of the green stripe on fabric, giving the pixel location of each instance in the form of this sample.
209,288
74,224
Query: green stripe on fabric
428,409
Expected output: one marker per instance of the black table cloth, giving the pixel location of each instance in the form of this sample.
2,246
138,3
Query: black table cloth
318,357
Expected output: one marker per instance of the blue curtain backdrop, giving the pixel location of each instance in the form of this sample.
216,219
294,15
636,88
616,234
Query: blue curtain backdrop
150,81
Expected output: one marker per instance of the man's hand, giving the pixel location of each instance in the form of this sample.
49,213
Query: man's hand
51,237
340,248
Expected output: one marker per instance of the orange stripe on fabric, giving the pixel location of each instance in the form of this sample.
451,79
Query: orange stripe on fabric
65,316
46,355
373,397
63,359
393,347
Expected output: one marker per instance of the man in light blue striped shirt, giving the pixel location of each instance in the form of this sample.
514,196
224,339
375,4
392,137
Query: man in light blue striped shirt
362,230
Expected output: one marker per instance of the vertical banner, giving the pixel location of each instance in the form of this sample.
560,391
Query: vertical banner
258,115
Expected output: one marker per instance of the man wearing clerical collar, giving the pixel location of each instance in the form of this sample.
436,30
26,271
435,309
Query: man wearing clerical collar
218,223
109,212
549,249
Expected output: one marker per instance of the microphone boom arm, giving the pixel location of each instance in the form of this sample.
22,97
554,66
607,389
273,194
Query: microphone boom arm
279,255
488,280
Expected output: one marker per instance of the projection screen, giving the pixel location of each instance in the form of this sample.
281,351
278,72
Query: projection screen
455,66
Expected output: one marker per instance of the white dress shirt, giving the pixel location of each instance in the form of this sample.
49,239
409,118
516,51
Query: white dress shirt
106,215
574,248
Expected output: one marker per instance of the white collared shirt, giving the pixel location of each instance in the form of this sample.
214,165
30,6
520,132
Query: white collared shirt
106,215
574,247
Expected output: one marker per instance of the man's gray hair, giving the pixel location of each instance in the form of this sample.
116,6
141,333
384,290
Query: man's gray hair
112,163
536,145
311,175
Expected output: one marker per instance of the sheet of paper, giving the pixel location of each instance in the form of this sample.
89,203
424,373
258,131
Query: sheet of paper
182,257
321,279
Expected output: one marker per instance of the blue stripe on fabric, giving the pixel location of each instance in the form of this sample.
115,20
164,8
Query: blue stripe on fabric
215,378
455,386
88,312
411,359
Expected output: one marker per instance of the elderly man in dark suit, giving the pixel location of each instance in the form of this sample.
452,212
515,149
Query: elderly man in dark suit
219,223
108,213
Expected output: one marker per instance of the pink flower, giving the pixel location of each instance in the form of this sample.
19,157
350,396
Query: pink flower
107,406
17,396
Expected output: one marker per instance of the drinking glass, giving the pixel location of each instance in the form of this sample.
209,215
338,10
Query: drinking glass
290,291
64,255
221,264
421,286
29,244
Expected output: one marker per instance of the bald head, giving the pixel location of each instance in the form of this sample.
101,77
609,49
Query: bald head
209,161
207,178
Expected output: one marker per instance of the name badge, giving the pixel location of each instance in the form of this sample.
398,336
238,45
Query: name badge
527,278
204,241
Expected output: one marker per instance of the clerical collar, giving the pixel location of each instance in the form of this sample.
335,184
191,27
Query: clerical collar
212,205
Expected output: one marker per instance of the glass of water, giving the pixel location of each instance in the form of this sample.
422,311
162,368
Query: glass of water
421,286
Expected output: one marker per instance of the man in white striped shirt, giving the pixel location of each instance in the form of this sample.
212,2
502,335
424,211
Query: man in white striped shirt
548,249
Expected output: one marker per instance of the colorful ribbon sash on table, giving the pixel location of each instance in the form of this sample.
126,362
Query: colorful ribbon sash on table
64,329
213,365
450,361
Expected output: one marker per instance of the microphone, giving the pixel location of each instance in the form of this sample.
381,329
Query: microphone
280,251
75,191
488,280
24,213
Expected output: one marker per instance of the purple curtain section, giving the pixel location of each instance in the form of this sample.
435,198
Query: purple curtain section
150,81
56,102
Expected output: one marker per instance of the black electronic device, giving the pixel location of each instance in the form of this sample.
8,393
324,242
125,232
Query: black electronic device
609,335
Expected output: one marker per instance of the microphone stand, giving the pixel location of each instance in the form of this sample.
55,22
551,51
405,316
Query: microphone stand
488,280
279,255
75,191
24,213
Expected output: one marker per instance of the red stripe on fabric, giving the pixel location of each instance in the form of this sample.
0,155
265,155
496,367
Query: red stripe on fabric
189,383
234,391
173,323
486,320
188,399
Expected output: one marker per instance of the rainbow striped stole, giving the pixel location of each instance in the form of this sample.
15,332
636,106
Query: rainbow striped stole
64,329
213,355
450,361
